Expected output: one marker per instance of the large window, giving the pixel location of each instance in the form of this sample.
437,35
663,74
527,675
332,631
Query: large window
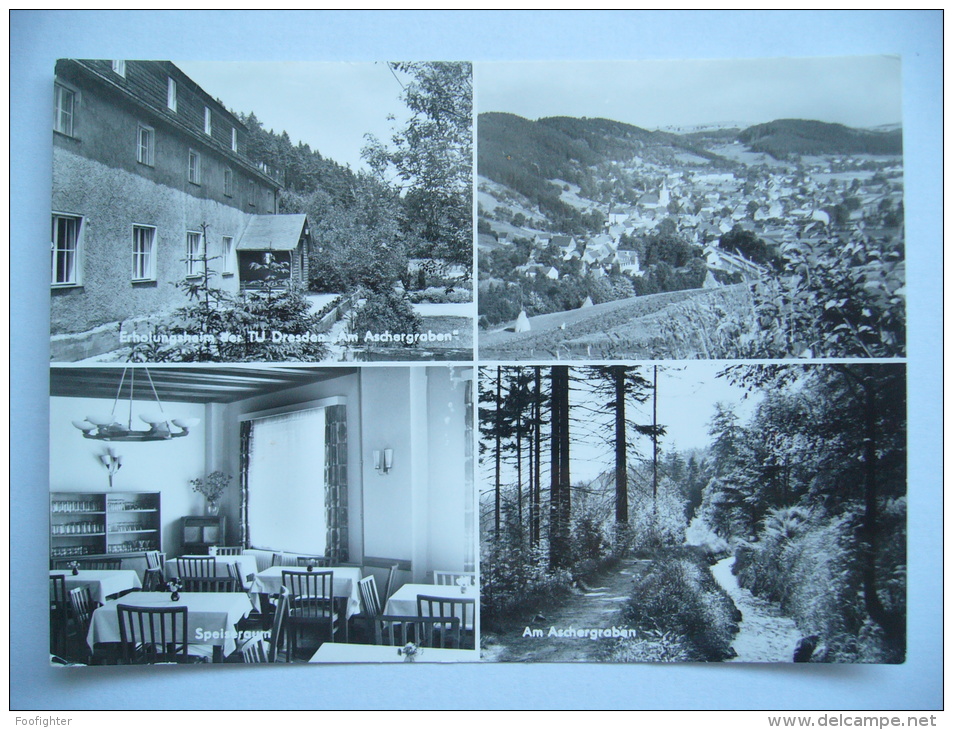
193,254
143,253
286,485
195,167
65,249
146,145
64,101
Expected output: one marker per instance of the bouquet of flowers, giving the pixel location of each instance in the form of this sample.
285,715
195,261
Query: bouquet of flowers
74,566
174,586
212,486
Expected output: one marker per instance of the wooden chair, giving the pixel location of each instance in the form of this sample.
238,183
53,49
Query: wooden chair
429,631
83,606
255,651
389,586
278,628
285,561
210,585
195,567
101,564
153,580
235,571
59,615
311,603
317,561
225,550
154,560
450,578
152,635
441,607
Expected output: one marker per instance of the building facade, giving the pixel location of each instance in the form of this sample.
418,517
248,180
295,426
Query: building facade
152,187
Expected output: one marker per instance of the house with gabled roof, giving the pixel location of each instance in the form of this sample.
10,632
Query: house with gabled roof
153,187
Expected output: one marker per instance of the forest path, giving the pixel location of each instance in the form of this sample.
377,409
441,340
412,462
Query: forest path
595,604
765,634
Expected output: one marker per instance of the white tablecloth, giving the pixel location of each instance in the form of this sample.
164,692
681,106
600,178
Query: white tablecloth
212,616
222,563
334,653
404,601
345,583
102,583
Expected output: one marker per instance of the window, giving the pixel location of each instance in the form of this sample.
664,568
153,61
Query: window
143,253
285,478
195,167
63,102
171,101
120,68
228,183
65,250
146,145
234,140
193,254
252,193
208,121
228,255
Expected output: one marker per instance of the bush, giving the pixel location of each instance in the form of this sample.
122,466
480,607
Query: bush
810,564
678,597
386,311
514,579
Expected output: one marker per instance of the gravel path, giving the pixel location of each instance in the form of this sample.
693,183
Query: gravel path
595,606
765,634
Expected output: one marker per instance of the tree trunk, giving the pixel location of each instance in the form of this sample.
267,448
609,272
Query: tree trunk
655,438
621,468
499,420
559,499
537,435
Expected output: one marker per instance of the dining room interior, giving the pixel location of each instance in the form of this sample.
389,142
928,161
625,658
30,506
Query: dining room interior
262,514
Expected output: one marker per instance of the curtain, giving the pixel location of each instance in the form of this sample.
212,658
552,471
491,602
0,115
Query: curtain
286,475
244,437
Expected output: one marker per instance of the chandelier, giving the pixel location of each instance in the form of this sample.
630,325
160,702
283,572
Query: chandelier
108,428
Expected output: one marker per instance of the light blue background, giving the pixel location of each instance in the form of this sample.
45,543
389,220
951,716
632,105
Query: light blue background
38,38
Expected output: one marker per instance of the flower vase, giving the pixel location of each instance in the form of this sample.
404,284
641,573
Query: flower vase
212,507
75,571
410,658
174,596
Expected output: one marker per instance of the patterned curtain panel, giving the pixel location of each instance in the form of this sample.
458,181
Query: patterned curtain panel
243,483
335,482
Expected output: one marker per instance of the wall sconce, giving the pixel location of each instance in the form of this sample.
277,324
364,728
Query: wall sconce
383,460
113,463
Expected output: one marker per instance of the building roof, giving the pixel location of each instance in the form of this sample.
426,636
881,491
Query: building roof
273,232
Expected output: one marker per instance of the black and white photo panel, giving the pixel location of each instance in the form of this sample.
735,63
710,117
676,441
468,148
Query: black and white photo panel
724,209
693,512
213,212
262,514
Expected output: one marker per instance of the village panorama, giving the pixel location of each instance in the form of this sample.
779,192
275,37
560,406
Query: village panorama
600,239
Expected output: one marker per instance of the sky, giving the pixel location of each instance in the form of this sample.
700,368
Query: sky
858,91
687,394
330,106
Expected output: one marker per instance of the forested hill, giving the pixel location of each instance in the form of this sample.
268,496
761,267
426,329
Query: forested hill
785,137
525,155
302,169
521,153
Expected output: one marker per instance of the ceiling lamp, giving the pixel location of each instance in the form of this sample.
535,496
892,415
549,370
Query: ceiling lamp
108,428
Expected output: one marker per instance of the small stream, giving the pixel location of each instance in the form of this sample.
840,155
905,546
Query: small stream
765,634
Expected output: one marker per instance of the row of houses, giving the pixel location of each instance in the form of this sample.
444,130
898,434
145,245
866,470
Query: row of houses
153,185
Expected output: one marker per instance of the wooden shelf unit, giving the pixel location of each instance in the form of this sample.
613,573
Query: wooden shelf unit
114,524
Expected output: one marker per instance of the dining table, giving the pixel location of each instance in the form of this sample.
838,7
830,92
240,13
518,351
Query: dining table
211,618
404,600
102,583
335,653
345,587
223,567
